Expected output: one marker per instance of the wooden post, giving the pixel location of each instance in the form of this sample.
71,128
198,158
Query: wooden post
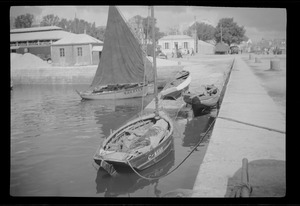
275,64
245,179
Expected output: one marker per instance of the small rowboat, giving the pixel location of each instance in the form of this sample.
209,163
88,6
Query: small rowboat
128,182
140,143
207,98
180,84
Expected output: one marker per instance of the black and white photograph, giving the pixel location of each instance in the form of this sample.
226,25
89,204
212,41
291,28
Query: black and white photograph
159,101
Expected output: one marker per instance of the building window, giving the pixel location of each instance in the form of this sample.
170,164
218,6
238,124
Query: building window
61,52
166,45
79,51
185,45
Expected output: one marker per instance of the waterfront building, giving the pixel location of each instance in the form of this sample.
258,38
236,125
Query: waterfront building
36,40
170,43
205,47
79,49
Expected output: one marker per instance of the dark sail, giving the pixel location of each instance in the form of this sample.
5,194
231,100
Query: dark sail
122,59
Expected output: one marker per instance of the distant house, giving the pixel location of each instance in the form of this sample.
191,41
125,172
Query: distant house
170,43
80,49
36,40
205,48
245,46
222,48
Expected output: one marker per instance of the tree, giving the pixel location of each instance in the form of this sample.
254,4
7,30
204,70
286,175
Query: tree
50,20
173,30
100,31
204,31
11,22
64,24
136,25
24,21
231,32
140,24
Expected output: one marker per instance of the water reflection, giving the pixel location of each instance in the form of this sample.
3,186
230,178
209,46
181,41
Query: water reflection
195,129
117,112
54,135
127,182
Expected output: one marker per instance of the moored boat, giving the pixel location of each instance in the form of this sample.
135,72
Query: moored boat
124,70
128,182
124,91
140,143
208,97
143,141
177,86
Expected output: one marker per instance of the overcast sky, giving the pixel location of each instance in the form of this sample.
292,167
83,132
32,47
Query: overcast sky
268,23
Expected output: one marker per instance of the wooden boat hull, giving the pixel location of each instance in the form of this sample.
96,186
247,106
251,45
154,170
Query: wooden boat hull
128,181
140,161
175,88
202,101
138,91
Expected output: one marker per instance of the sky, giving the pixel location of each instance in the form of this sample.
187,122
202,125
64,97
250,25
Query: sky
267,23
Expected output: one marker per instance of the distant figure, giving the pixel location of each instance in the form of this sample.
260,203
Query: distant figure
188,51
179,55
192,54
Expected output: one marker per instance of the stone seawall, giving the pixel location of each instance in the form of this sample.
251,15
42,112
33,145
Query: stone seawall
73,75
54,75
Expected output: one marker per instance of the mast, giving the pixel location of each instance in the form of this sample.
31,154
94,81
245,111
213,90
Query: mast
154,62
221,33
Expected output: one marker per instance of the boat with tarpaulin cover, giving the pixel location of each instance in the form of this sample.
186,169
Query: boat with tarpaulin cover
207,97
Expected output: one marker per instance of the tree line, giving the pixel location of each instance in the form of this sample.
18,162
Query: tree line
75,25
226,31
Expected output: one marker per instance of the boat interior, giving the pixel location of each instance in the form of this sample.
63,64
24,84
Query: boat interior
116,87
137,138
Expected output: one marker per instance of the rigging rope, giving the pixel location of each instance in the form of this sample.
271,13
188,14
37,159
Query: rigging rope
253,125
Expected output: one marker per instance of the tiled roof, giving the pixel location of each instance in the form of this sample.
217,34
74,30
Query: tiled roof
35,29
205,43
78,39
175,37
39,35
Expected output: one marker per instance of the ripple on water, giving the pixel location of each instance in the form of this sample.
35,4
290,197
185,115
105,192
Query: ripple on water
55,136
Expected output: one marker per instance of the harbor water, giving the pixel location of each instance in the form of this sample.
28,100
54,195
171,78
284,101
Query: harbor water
54,135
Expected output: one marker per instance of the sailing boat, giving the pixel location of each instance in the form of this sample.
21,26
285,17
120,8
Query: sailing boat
124,71
143,141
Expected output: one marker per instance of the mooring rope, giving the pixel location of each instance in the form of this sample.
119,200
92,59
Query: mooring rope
253,125
147,178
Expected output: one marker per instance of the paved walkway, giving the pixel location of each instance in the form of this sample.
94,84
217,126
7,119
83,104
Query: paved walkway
248,104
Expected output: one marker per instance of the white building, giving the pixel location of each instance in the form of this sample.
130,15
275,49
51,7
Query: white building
170,43
205,48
